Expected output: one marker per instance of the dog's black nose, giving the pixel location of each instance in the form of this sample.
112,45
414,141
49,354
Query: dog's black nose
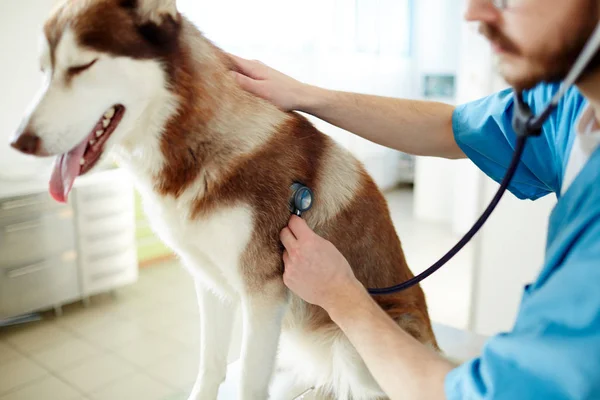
27,143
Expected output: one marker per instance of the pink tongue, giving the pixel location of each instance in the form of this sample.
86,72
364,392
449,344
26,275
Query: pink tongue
66,169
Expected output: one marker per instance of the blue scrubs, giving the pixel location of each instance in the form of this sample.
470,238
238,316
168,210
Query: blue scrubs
553,351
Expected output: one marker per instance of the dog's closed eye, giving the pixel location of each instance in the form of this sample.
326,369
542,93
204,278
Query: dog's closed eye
80,68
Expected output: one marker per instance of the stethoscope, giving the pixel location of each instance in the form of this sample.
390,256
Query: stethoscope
525,125
301,200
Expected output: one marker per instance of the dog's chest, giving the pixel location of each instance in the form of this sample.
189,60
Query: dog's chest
211,246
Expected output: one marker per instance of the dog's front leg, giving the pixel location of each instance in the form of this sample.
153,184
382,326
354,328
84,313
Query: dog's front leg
216,323
263,313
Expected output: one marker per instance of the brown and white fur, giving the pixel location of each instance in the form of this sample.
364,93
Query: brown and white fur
214,165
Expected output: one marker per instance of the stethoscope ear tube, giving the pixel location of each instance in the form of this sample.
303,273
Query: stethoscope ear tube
525,125
512,169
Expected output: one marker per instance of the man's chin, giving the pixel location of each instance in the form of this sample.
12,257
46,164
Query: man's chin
522,83
524,76
518,78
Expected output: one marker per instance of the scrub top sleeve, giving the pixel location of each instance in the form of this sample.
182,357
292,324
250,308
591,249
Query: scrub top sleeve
553,353
483,130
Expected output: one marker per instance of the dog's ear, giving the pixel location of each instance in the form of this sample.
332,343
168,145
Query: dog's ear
157,20
152,10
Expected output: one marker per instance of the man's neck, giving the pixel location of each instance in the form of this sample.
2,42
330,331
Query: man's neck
590,88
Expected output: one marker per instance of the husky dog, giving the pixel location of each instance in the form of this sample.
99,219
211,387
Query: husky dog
214,166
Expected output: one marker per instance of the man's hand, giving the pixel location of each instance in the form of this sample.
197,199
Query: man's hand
314,269
317,272
283,91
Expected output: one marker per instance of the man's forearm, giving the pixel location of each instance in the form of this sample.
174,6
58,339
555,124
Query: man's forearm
402,366
415,127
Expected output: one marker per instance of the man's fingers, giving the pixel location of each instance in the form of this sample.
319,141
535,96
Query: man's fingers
299,228
252,69
287,238
286,257
250,85
245,82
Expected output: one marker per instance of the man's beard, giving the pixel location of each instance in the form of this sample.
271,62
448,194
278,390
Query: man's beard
546,66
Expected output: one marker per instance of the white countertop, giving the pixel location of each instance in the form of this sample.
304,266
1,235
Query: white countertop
458,345
15,188
22,187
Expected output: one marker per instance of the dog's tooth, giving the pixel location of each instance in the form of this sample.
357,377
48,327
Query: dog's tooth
110,113
99,133
81,162
92,142
105,123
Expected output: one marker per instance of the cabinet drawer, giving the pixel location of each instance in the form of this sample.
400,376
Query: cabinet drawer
111,263
109,224
112,270
102,190
28,205
93,246
39,285
24,239
97,201
90,213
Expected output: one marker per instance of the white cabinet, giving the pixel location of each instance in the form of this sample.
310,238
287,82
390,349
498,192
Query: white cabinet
52,254
38,262
105,223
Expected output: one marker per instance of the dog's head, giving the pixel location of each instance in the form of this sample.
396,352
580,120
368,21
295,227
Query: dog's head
103,62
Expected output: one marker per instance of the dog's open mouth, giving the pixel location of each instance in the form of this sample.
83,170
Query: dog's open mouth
84,157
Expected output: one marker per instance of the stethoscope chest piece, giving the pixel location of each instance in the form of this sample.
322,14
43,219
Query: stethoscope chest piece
302,199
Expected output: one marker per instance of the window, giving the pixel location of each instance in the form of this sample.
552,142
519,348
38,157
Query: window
363,26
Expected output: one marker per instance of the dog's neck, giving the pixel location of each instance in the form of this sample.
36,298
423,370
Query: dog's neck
199,127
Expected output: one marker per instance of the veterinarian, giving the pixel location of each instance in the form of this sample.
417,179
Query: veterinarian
553,351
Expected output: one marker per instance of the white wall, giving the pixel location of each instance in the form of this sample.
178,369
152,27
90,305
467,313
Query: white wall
437,47
509,255
437,36
20,28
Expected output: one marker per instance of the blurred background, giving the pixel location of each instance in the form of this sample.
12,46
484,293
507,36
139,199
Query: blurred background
93,305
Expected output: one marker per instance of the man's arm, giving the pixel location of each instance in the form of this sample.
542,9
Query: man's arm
413,127
403,367
317,272
421,128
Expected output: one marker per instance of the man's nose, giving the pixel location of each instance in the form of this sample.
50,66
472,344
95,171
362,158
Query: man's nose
28,143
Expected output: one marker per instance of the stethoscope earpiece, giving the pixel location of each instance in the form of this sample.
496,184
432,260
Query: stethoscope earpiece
302,199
